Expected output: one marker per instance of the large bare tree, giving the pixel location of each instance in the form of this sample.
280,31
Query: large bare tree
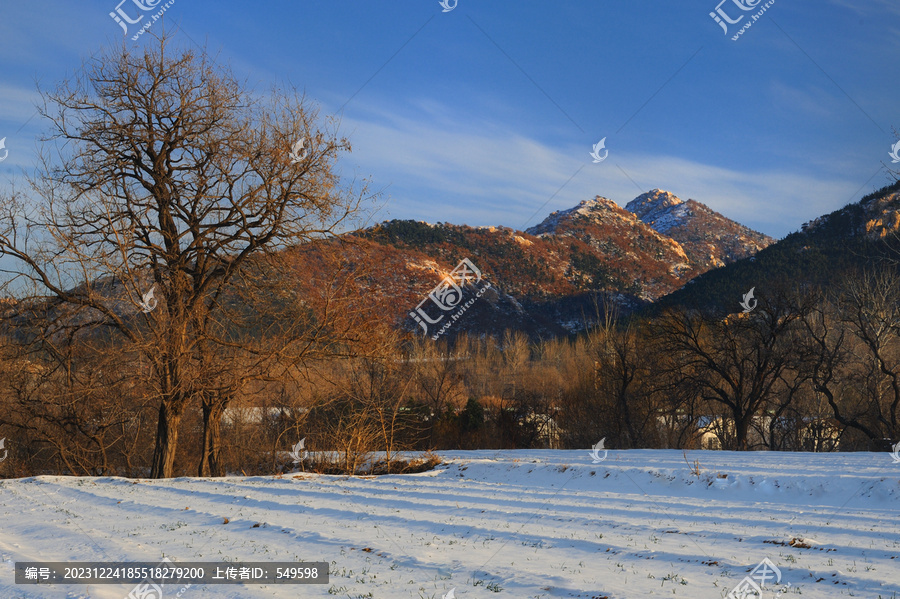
734,362
162,171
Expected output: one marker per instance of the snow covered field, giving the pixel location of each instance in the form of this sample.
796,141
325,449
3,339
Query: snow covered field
508,524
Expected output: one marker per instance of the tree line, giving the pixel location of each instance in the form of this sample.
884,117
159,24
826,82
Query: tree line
806,370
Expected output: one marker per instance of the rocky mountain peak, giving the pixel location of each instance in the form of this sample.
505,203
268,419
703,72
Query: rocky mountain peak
655,203
594,208
710,239
882,216
589,207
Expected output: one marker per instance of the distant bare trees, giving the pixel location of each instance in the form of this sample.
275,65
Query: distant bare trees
621,374
806,370
72,402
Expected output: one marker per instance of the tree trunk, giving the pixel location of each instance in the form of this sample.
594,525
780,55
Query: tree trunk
741,431
166,441
625,411
210,462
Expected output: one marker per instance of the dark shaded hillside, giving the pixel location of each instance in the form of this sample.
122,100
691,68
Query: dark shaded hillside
857,236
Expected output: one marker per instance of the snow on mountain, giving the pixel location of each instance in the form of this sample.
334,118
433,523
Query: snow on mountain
547,277
603,212
710,239
586,208
661,209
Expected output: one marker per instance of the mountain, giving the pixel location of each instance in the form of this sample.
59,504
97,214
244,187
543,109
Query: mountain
709,239
549,279
608,247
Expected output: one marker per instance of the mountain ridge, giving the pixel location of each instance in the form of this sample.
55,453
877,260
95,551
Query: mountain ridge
556,270
551,280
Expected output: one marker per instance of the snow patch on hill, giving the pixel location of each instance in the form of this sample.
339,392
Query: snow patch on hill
586,208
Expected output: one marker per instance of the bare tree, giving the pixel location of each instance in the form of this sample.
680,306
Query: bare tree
615,349
379,385
827,365
438,379
164,172
734,362
871,310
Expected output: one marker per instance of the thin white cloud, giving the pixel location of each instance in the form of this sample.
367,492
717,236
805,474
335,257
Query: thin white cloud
810,100
870,8
18,104
483,173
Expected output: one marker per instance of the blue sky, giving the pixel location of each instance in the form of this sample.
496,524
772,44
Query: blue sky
485,115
